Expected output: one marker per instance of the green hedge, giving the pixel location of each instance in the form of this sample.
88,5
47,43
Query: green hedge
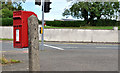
0,21
100,22
40,22
118,23
66,23
6,22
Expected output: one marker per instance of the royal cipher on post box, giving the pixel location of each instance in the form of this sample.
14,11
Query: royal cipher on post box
20,28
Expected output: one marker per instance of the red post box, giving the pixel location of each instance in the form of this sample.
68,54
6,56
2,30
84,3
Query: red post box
20,28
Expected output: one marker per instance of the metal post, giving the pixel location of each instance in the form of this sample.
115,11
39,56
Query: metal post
118,18
42,48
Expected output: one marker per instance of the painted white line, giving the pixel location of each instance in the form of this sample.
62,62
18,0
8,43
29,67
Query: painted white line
2,51
71,47
103,47
53,47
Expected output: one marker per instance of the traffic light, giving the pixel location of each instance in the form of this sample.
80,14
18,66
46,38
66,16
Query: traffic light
38,2
47,6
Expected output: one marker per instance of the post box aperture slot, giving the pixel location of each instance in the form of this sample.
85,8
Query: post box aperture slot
17,20
17,35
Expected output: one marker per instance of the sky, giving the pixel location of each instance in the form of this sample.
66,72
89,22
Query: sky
57,6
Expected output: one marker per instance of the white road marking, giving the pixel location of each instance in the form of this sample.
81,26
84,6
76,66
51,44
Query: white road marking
103,47
2,51
71,47
53,47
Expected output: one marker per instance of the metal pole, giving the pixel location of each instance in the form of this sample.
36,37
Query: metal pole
118,18
42,48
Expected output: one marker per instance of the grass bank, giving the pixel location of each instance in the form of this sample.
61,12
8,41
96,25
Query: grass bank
85,27
6,39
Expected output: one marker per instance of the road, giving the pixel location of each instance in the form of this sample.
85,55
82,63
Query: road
74,57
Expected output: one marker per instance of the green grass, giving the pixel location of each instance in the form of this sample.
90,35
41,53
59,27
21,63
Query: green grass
85,27
6,39
3,61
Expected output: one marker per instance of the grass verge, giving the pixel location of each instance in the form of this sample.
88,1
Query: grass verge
6,39
4,61
85,27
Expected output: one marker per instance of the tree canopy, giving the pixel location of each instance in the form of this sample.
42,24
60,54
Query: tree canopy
93,10
7,8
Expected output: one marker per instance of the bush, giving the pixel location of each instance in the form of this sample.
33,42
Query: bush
6,22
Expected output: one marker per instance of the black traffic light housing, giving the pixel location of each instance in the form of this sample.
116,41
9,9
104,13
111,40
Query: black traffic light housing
47,6
38,2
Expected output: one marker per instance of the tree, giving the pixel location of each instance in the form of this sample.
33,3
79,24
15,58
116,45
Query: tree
91,10
17,6
12,5
8,8
6,13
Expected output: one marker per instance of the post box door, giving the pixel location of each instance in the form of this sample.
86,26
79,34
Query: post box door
17,36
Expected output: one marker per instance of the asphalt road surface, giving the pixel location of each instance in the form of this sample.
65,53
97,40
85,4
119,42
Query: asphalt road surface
65,57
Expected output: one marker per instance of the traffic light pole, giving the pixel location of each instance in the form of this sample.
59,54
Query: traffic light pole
42,48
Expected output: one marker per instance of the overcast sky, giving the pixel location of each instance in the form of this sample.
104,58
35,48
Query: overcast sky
57,6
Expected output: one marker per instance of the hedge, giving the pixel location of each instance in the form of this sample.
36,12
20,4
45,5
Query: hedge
0,21
66,23
118,23
100,22
6,22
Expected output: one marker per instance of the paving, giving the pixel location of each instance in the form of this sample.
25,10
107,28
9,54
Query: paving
74,57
